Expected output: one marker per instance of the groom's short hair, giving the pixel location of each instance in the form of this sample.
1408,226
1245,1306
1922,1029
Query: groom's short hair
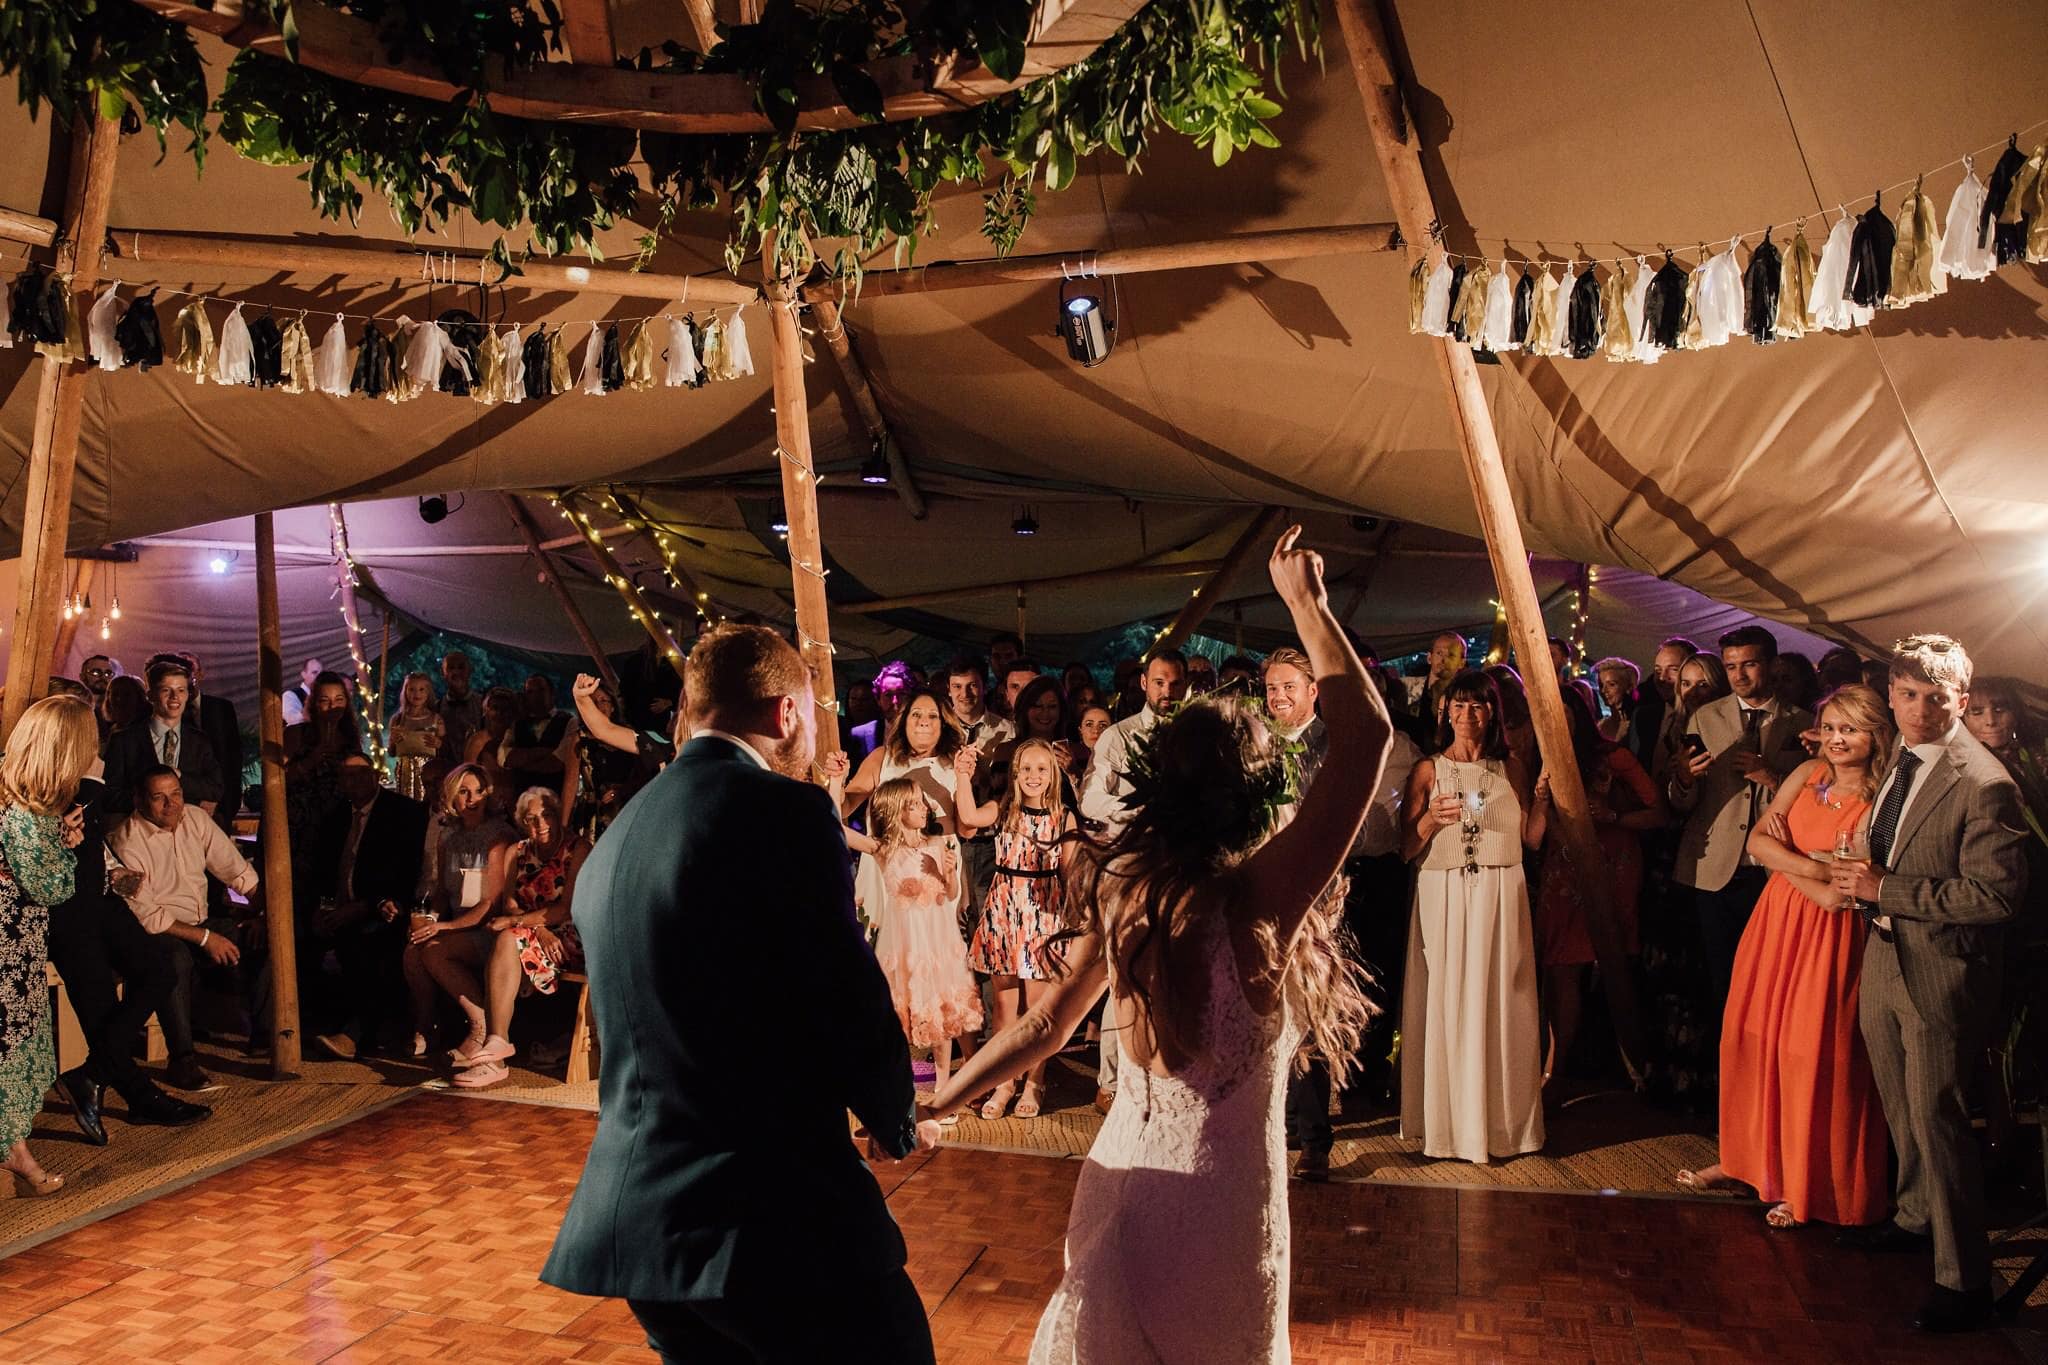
734,669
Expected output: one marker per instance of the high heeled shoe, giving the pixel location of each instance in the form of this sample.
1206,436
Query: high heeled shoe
36,1186
1030,1102
999,1101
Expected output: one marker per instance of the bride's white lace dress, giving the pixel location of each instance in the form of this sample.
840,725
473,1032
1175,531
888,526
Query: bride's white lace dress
1177,1243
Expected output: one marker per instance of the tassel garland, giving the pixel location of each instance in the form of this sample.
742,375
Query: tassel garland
100,342
637,357
1436,303
1497,322
1795,287
1418,292
139,334
1664,305
234,360
1917,271
295,358
1870,258
681,354
266,353
1761,283
194,337
331,368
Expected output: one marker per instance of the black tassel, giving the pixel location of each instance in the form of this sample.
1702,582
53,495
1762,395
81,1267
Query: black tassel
611,367
1760,285
1582,329
1870,258
1664,305
697,380
2007,239
266,353
1456,316
37,307
1525,304
376,364
534,353
139,333
467,334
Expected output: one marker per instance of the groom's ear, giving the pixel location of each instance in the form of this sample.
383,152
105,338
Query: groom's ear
788,716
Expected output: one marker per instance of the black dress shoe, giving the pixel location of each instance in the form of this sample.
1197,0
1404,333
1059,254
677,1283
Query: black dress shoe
1314,1166
1952,1310
1887,1236
155,1107
85,1094
183,1073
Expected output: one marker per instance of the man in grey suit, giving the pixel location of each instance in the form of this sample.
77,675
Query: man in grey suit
1944,875
1739,748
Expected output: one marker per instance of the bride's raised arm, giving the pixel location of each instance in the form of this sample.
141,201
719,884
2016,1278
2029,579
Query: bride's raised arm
1285,877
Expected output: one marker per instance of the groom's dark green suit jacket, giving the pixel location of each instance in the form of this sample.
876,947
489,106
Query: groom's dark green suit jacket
739,1014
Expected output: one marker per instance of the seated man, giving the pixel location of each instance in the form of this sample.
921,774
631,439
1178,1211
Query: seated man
174,846
374,845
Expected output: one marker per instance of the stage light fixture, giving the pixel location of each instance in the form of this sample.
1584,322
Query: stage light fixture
1025,523
875,468
433,508
779,523
1090,336
219,563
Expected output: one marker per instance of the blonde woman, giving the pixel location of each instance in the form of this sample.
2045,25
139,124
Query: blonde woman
1800,1119
53,745
464,872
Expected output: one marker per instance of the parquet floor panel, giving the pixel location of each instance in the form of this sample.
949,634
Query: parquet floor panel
415,1234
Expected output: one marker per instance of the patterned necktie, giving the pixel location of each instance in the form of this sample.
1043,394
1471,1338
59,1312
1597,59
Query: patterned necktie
1752,732
170,748
1885,827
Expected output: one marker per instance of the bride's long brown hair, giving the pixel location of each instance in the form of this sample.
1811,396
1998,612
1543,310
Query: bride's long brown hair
1215,788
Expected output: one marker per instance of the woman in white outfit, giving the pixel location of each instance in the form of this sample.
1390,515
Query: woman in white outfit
1217,945
1471,1054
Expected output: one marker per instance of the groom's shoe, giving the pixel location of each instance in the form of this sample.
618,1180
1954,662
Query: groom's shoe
1887,1236
1314,1166
1954,1310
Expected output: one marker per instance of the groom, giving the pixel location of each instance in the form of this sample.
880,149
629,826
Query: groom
742,1015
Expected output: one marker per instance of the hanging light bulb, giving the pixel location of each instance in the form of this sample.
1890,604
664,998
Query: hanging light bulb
116,612
69,610
106,633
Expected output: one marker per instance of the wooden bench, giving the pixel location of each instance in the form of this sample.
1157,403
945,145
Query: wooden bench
70,1034
583,1059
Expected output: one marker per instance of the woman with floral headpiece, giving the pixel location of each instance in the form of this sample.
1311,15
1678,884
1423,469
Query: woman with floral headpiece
1209,917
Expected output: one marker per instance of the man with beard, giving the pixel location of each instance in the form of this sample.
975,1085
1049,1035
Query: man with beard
723,884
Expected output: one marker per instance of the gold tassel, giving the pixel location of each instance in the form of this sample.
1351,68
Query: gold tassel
637,357
717,365
2025,185
1795,286
1542,315
1418,290
295,356
1615,339
558,364
490,367
2036,210
1472,301
1916,255
1692,334
192,335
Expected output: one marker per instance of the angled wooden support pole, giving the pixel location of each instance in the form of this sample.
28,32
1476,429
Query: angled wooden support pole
1264,526
53,444
277,849
832,327
552,576
800,498
1394,141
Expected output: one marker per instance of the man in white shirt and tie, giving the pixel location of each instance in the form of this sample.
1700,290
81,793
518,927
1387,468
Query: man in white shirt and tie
1945,873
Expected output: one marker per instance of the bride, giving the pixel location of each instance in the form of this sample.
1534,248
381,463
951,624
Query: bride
1217,945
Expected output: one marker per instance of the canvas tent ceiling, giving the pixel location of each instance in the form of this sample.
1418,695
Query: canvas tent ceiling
1862,484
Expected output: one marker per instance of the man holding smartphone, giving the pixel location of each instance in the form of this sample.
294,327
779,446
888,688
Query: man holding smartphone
1737,750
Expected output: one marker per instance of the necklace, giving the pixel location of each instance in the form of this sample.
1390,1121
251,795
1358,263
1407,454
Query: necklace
1471,813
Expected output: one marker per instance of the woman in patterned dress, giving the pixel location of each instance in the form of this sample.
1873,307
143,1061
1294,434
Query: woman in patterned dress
535,938
1023,908
53,745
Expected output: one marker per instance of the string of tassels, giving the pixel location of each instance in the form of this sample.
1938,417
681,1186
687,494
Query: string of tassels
1632,310
397,362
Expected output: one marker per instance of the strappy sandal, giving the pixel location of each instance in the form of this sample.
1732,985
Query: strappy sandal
36,1186
999,1101
480,1075
1029,1106
1780,1216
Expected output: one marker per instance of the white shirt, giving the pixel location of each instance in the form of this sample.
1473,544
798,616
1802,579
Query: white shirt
749,750
1103,785
1382,832
1927,753
174,864
294,707
158,728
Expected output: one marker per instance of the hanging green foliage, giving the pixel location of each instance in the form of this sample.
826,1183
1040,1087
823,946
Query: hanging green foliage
1198,68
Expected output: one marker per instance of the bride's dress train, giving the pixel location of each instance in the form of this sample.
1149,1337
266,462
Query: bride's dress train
1177,1246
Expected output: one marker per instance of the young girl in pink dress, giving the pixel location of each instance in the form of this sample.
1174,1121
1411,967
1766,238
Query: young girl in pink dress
912,895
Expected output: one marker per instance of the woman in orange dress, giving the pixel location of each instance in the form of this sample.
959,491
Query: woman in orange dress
1800,1119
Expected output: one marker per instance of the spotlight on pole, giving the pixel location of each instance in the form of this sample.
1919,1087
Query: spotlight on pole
1090,336
875,468
779,523
1025,524
433,508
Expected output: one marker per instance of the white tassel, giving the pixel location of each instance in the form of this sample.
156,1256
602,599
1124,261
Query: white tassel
593,364
511,367
738,359
1561,323
1829,308
1641,347
99,329
420,362
234,359
1718,305
682,354
333,367
1436,303
1496,333
1960,254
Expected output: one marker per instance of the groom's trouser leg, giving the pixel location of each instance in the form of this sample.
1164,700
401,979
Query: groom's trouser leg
860,1321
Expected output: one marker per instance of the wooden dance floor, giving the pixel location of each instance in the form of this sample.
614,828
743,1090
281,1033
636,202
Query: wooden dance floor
415,1234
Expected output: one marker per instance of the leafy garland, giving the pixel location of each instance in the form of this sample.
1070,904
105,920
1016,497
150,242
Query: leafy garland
1221,823
1195,67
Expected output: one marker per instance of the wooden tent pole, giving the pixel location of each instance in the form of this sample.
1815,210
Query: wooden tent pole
800,497
636,602
53,445
1394,140
552,576
1285,244
1262,526
67,628
277,852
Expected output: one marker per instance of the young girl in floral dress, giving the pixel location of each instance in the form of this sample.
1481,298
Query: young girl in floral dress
1023,908
912,894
